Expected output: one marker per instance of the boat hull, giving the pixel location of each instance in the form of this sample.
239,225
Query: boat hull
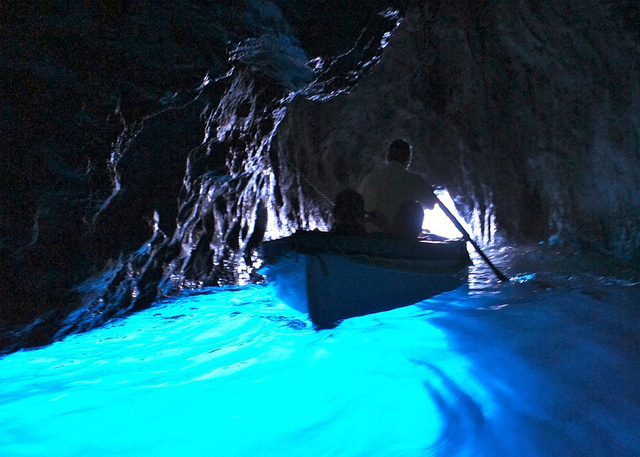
311,277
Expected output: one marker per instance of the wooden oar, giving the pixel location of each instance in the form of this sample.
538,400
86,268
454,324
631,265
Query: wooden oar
501,277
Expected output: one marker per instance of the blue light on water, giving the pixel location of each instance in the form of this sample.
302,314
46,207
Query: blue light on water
500,370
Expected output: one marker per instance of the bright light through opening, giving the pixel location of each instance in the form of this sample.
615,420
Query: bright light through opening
437,222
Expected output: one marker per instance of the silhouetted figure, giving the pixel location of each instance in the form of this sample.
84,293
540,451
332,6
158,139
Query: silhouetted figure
385,190
348,214
407,224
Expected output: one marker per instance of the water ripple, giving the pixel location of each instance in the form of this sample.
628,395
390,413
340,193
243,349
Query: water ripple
545,364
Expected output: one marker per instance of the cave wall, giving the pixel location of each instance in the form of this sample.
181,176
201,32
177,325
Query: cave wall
528,112
150,146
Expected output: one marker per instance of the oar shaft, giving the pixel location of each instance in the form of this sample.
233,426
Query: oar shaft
466,235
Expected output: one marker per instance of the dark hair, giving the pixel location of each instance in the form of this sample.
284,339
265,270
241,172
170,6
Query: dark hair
399,151
348,214
349,203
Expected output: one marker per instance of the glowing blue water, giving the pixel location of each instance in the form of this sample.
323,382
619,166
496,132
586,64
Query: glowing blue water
544,365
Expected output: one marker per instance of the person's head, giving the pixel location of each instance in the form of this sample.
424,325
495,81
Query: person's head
399,151
349,209
408,221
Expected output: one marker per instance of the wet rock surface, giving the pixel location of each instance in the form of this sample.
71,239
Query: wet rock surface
149,147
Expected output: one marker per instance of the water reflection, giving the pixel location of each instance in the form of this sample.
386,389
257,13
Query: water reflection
545,364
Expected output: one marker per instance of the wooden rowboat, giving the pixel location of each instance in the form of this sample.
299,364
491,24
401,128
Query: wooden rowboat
334,277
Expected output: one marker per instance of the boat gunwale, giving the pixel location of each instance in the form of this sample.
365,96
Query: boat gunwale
316,242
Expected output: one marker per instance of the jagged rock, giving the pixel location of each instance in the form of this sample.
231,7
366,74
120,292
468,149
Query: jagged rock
150,146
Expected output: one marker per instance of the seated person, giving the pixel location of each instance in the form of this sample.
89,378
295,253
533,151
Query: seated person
348,214
386,188
407,224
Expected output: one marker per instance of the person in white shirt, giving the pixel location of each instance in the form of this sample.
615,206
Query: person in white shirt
385,190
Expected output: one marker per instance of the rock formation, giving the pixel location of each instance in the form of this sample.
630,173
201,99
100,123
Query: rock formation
149,147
